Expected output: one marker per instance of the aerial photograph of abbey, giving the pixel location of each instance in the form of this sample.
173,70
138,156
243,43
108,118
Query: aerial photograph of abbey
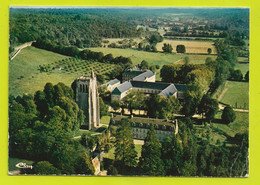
129,91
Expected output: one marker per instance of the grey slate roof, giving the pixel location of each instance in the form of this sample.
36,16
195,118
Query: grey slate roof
169,91
122,88
144,75
112,82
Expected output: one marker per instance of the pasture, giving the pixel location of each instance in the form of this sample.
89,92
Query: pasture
244,67
236,94
153,58
32,68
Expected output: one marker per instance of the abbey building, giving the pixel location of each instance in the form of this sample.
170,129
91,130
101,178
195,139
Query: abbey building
87,98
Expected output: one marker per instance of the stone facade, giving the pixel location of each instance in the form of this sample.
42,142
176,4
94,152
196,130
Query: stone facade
140,126
87,99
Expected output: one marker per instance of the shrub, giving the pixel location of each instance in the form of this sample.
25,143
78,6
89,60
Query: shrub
228,115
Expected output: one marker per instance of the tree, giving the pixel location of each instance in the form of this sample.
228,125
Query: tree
236,75
189,108
180,49
187,60
125,154
167,48
83,165
247,76
169,106
208,107
144,65
115,105
103,107
134,100
49,92
209,51
228,115
45,168
172,155
112,170
41,102
108,58
150,161
155,38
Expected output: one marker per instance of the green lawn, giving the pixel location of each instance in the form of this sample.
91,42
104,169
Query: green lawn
236,94
240,125
13,161
244,67
110,154
105,120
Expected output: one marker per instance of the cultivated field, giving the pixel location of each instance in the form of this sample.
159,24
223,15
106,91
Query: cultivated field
236,94
194,47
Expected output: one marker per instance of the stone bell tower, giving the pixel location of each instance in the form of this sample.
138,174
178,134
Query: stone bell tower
87,99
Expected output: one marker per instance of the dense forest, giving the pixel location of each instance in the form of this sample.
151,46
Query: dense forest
86,27
82,28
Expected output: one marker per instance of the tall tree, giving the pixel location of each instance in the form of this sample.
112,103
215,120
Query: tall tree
125,154
83,165
150,161
180,49
208,107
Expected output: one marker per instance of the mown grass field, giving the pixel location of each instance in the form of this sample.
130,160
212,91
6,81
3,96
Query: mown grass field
236,94
25,76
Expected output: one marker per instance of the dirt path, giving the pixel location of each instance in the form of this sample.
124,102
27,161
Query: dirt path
138,142
222,93
221,107
19,48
